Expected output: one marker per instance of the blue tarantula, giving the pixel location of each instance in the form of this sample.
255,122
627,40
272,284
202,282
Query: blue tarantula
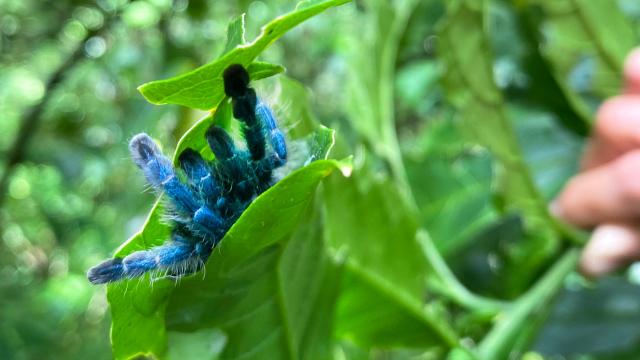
205,198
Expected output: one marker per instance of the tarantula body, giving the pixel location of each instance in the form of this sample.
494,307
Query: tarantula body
204,198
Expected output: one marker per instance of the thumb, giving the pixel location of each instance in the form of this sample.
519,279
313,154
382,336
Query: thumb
632,72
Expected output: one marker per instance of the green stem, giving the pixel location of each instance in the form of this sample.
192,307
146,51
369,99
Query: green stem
574,235
498,341
448,285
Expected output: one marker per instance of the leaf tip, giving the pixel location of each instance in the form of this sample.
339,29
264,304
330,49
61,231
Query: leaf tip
346,166
146,92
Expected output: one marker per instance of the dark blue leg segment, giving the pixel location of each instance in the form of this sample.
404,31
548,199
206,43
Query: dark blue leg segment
108,271
194,166
220,143
244,106
244,109
161,175
256,143
264,170
275,136
209,223
199,174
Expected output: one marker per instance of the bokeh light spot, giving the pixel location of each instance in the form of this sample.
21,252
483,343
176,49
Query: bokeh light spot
95,47
19,188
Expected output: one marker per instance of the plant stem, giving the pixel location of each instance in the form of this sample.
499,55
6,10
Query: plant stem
498,341
576,236
448,285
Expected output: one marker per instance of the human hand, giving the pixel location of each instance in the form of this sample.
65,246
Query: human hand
606,193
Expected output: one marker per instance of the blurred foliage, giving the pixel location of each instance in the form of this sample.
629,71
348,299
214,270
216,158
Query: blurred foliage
464,118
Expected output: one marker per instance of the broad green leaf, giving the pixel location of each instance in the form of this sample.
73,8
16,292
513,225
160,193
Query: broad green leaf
277,302
260,70
470,85
585,52
202,88
370,96
597,318
451,182
205,344
235,34
381,304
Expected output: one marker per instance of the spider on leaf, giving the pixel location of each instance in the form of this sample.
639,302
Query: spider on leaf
204,198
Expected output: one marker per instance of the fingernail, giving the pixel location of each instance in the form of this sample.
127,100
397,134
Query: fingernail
596,258
610,246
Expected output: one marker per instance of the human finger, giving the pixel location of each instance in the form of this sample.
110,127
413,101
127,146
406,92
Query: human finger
632,72
610,192
611,246
616,131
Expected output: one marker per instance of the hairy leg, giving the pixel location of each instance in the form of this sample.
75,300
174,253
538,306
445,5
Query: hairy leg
199,174
161,175
177,257
275,136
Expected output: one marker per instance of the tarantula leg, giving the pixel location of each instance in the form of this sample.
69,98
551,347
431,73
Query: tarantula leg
220,143
194,166
244,99
276,138
244,109
199,174
236,80
207,221
264,170
177,257
160,173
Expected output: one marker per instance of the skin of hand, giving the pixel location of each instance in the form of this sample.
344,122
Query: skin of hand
605,195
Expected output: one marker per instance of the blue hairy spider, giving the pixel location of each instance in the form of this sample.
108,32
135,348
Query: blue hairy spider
204,198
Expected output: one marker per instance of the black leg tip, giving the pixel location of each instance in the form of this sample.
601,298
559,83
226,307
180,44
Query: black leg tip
107,271
142,149
236,80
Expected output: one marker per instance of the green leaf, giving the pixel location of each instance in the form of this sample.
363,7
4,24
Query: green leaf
370,226
277,302
593,318
451,182
235,34
471,88
585,52
370,99
260,70
202,88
